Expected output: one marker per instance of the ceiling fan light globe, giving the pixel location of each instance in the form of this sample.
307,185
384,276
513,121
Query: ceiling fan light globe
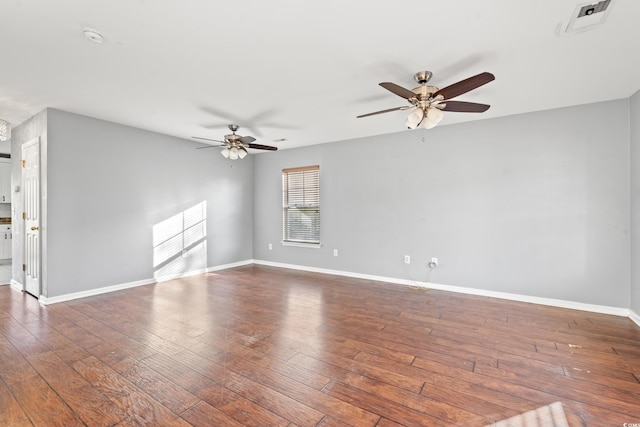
225,153
233,153
414,118
428,124
434,115
242,153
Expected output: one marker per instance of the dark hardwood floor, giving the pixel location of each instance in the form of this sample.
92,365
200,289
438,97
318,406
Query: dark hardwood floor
262,346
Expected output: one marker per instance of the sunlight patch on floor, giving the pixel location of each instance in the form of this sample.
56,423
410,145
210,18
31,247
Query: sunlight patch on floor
546,416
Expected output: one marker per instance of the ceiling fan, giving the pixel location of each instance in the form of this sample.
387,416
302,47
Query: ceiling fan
428,102
235,146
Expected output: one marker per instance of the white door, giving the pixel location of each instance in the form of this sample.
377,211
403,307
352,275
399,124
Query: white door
31,192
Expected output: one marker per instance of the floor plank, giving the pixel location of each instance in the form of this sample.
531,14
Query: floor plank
10,411
38,400
87,402
141,409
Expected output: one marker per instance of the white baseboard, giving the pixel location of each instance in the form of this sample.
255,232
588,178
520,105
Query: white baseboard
17,285
231,265
338,273
91,292
634,317
471,291
574,305
617,311
203,271
10,283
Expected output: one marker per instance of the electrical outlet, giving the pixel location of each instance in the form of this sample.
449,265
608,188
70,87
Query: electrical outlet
335,252
270,246
407,259
434,263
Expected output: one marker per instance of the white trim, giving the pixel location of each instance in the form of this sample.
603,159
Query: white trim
92,292
17,285
634,317
301,244
230,265
160,279
616,311
574,305
337,272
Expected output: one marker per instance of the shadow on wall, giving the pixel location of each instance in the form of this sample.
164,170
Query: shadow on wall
179,244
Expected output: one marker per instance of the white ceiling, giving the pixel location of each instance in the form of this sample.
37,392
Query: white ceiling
302,70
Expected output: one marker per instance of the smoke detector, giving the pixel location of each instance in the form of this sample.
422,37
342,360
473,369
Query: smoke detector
92,35
586,16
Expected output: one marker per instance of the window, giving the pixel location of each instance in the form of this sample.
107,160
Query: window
301,205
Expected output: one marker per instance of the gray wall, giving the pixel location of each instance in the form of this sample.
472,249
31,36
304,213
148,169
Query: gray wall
635,203
534,204
109,185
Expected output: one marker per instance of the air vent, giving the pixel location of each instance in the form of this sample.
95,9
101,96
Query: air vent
593,8
586,16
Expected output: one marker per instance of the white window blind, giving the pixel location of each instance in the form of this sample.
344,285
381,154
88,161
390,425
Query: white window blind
301,204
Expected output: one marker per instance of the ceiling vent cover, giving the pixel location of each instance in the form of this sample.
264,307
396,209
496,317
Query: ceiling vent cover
586,16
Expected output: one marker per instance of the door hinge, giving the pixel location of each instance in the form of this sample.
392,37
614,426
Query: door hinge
24,164
24,267
24,215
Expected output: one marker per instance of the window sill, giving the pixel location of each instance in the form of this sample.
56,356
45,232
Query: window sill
302,245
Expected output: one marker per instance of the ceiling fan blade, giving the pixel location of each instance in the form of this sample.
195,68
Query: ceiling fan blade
215,125
246,139
262,147
398,90
465,85
208,139
463,107
385,111
211,146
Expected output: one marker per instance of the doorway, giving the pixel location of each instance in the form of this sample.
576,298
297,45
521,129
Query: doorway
31,216
5,213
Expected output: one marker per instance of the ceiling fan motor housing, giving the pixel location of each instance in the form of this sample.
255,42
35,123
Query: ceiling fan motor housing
423,95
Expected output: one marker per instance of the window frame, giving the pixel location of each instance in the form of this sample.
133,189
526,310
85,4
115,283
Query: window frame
307,195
